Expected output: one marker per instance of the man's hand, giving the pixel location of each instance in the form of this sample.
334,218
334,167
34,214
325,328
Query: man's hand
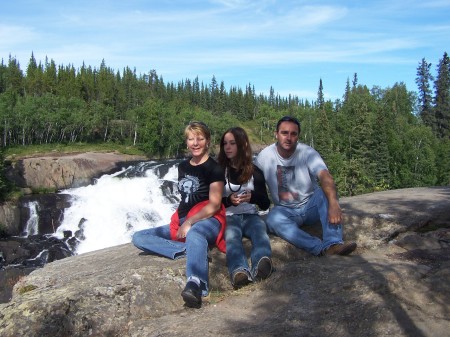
329,189
334,213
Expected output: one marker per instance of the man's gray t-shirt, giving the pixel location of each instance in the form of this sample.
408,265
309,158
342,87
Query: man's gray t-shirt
291,181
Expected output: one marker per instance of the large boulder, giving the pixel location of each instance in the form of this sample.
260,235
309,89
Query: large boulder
395,284
9,218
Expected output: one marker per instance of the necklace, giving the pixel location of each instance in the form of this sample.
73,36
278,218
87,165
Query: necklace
229,185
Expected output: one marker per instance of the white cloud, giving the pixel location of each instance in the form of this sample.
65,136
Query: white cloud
14,35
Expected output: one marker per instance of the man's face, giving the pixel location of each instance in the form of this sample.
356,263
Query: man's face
287,136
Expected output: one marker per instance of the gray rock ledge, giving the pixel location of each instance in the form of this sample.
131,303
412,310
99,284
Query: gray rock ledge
395,284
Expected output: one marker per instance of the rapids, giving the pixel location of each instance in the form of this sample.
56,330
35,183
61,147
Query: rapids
108,212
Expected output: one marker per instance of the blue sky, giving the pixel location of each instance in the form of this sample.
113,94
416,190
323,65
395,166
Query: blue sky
289,45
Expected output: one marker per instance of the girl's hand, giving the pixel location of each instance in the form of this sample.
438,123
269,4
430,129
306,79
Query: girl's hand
245,197
234,198
240,197
184,228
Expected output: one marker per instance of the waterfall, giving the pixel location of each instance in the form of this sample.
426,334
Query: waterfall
108,212
32,227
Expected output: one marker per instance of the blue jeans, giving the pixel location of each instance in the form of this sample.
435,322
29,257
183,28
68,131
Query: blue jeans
202,234
252,227
286,222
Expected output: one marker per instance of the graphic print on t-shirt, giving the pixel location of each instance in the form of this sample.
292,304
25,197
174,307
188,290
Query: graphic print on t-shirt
187,186
286,178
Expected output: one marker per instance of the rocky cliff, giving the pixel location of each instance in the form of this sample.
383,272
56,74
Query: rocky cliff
56,171
396,284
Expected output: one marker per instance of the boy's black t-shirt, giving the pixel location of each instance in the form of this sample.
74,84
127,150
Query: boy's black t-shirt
194,181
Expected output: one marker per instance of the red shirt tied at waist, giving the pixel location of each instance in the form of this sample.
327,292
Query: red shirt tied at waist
220,216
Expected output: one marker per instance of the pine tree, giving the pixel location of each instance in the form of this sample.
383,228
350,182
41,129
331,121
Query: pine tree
355,81
423,79
50,76
347,90
67,82
380,157
195,92
272,96
320,99
105,84
3,70
357,142
32,85
442,97
214,92
14,77
443,162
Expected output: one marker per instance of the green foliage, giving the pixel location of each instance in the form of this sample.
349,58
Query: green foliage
371,140
442,151
423,80
442,98
418,158
26,289
5,186
43,190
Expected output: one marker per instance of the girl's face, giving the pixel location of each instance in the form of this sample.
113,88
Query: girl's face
197,144
230,146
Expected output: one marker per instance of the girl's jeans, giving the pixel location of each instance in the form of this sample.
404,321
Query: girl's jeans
252,227
202,234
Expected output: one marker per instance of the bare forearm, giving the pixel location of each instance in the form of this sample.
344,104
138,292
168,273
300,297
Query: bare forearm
328,186
329,189
206,212
215,201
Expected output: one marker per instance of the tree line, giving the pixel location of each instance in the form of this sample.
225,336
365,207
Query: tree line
372,139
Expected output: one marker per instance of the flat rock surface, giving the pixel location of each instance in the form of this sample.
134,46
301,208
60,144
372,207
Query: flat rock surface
395,284
59,171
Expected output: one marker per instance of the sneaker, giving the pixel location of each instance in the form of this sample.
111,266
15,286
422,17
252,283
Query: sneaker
341,249
263,268
240,278
192,295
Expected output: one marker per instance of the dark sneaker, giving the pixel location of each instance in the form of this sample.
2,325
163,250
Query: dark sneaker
240,278
192,295
341,249
263,268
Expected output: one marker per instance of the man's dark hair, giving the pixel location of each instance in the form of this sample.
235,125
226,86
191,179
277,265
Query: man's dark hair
288,119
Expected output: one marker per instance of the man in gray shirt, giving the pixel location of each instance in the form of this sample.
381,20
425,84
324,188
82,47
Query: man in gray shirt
292,171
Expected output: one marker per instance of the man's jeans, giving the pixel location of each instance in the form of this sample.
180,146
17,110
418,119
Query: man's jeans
252,227
286,222
202,234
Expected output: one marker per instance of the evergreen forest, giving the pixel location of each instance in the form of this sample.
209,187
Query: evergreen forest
372,139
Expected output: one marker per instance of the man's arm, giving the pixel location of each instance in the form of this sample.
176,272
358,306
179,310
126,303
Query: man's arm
329,188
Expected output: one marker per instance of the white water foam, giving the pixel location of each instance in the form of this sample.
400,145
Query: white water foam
114,208
32,227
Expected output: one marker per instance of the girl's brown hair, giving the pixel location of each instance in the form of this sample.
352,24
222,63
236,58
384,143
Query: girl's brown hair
243,160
